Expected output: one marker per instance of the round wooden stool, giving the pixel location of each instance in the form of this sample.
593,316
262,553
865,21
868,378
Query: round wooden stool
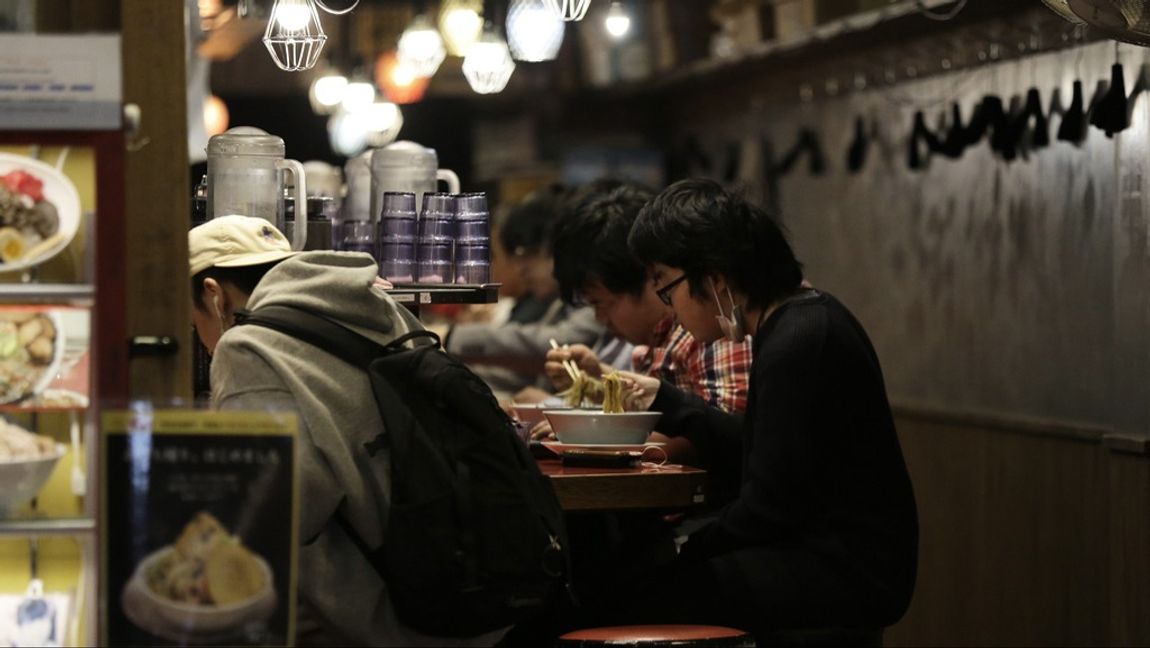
651,636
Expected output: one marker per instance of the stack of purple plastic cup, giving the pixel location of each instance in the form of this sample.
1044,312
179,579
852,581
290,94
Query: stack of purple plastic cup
473,239
436,238
397,225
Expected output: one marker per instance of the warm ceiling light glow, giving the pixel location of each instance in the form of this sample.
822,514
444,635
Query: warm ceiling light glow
460,22
358,95
294,36
421,47
533,32
488,65
569,10
326,92
352,132
398,80
215,115
617,22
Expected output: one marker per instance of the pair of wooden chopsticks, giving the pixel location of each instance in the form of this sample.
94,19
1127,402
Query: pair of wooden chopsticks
568,364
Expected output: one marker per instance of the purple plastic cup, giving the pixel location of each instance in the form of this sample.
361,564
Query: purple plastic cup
434,264
468,231
354,236
472,264
471,206
397,271
401,230
438,206
398,204
439,230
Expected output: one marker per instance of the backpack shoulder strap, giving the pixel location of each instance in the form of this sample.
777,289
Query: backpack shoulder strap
316,330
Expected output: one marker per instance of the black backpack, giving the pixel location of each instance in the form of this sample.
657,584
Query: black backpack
475,539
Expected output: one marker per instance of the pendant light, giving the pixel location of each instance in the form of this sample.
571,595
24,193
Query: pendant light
488,65
350,133
358,95
421,47
460,23
534,33
618,21
398,79
569,10
294,36
326,92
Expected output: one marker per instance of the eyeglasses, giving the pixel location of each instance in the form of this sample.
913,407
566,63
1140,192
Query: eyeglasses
664,293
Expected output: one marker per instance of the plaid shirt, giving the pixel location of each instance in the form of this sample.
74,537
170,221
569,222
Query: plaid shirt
718,372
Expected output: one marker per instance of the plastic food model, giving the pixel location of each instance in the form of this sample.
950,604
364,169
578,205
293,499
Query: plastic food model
27,345
206,566
28,222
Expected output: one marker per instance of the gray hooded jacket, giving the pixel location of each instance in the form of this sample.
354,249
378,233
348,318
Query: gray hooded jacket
342,598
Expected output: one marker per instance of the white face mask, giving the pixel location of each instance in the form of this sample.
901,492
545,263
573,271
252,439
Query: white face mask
732,325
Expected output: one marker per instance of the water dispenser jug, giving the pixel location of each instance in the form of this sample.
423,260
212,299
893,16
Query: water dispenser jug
246,176
409,167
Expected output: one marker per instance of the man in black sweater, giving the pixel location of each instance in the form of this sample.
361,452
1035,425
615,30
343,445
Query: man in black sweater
823,532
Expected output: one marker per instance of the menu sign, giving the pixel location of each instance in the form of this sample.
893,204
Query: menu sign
200,515
60,82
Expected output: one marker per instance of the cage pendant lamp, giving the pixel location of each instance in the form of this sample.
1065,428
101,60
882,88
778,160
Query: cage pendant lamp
488,64
294,36
569,10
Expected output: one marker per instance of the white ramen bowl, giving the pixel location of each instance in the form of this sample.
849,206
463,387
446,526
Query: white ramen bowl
21,480
175,621
60,191
599,428
49,372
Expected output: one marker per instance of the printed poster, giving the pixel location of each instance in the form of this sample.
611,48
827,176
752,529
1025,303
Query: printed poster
200,516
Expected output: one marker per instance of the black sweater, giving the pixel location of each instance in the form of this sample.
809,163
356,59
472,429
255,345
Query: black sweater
823,530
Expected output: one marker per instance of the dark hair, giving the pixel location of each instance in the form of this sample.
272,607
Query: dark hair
703,229
590,242
528,224
244,278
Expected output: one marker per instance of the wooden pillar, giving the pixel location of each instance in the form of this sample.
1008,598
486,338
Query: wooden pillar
158,200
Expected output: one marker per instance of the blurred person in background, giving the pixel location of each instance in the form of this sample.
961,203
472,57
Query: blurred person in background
510,356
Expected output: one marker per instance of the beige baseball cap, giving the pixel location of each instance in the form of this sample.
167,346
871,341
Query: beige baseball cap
235,241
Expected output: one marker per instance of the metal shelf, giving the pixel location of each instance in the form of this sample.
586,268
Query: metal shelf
424,294
31,293
46,527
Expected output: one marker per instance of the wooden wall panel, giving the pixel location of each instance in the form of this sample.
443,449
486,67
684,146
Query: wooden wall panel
1028,537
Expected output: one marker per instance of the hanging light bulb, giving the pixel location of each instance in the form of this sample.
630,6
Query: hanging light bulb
294,36
421,47
569,10
352,132
617,22
215,115
326,92
398,79
533,32
358,95
460,22
488,65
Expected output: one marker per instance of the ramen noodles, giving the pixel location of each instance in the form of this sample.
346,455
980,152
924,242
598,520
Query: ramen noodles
583,388
207,565
612,393
18,444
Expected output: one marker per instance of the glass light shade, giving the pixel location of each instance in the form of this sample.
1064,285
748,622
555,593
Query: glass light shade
617,22
294,36
326,93
421,47
215,115
460,23
534,33
350,133
357,96
569,10
398,79
488,65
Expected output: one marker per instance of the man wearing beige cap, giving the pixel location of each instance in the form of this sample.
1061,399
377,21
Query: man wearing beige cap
236,263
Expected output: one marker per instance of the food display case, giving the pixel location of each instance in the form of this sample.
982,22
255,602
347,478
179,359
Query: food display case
63,354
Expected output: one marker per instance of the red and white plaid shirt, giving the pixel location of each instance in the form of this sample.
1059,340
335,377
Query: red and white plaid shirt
719,372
